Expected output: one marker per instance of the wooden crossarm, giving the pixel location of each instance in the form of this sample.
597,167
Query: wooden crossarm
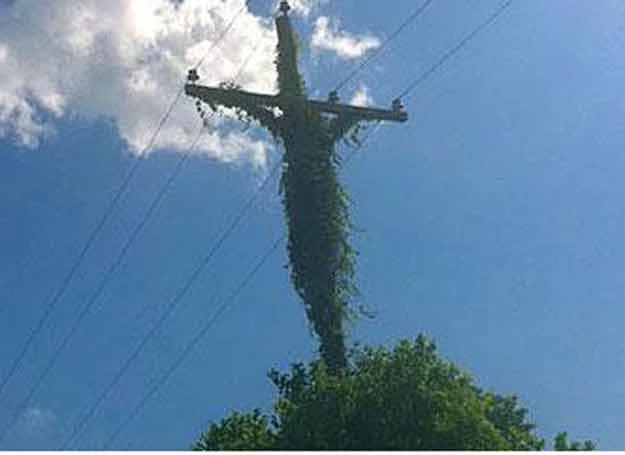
241,99
230,97
361,113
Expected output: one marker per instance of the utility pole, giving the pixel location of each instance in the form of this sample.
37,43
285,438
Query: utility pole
315,204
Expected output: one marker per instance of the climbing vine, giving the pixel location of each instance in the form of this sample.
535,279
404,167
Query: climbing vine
317,212
316,206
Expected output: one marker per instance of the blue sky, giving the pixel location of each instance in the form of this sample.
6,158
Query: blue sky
490,221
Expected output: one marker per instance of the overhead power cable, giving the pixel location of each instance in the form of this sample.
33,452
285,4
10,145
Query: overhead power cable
411,18
17,362
213,251
453,51
88,307
173,304
227,303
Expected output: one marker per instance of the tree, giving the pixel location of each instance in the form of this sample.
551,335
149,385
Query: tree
408,398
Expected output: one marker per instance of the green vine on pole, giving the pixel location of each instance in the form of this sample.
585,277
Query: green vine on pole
316,205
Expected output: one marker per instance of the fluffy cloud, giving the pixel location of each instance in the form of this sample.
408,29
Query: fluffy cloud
327,36
126,60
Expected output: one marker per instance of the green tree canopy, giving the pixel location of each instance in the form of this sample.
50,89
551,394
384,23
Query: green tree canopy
408,398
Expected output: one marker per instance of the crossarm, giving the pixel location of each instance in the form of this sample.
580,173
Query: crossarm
236,98
360,113
230,97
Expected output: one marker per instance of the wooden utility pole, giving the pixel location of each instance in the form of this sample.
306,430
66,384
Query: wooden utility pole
320,256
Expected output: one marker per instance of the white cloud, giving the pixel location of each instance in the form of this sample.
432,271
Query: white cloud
126,60
327,36
362,97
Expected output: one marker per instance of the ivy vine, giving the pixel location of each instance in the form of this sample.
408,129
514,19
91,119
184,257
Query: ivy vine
316,205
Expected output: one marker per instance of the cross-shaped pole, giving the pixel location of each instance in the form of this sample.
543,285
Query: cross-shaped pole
284,99
316,206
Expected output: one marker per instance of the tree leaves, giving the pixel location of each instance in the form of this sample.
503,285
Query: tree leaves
407,398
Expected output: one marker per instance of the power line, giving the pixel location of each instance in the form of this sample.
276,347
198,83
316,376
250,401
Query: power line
196,339
94,298
81,256
16,364
489,20
171,307
174,303
113,267
412,17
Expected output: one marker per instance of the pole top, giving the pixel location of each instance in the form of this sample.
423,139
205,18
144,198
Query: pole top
285,7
